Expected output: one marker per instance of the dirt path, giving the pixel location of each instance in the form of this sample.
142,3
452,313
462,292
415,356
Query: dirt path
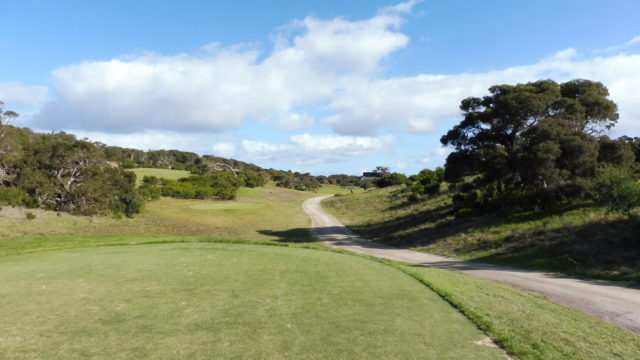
616,304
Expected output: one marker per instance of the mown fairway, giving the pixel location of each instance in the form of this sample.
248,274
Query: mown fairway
223,301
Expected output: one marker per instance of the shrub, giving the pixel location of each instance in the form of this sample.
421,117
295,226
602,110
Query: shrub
14,196
30,216
618,190
390,180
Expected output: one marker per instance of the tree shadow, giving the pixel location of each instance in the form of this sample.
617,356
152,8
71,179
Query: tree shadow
430,226
607,250
298,235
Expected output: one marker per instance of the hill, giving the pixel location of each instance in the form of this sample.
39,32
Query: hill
580,239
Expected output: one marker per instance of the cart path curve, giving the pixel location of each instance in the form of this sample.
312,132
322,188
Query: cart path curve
615,304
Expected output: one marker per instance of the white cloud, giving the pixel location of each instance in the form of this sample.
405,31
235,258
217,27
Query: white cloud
402,166
224,149
147,140
425,102
635,40
308,149
294,121
404,7
15,94
436,157
315,67
223,87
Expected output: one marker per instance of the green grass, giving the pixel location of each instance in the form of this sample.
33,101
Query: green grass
581,240
261,214
228,206
160,173
338,190
528,325
223,301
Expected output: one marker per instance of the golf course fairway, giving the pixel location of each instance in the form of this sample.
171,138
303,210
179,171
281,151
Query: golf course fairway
209,300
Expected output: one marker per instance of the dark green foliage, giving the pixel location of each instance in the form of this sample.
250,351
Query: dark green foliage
253,179
30,216
390,180
427,182
59,172
295,180
617,188
532,144
219,185
366,184
341,180
616,152
14,196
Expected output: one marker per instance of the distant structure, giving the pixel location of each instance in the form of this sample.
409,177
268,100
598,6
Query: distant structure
379,172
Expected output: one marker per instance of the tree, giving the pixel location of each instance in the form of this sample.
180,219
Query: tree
531,139
616,152
7,173
6,117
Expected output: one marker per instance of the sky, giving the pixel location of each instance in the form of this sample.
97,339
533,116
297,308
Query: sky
324,87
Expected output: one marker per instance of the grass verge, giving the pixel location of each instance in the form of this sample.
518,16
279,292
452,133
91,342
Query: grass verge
529,326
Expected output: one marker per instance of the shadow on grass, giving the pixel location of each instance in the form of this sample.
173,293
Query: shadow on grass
299,235
430,226
608,250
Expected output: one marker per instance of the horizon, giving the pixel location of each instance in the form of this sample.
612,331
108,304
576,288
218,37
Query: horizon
325,88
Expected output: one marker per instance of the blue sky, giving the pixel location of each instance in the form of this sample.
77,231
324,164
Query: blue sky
326,87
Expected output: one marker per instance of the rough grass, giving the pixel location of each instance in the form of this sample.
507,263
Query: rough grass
580,240
339,190
528,325
223,301
160,173
262,214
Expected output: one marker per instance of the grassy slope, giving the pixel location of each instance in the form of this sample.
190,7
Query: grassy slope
160,173
223,301
266,213
581,241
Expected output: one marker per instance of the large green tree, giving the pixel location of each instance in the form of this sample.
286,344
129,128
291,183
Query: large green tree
538,138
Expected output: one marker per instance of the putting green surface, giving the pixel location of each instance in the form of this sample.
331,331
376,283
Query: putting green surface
223,301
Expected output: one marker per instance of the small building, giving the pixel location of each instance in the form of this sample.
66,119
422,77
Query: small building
379,172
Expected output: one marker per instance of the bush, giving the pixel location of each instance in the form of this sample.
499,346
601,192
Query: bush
14,196
219,185
30,216
390,180
618,190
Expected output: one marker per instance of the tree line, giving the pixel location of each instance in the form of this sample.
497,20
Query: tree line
57,171
539,145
